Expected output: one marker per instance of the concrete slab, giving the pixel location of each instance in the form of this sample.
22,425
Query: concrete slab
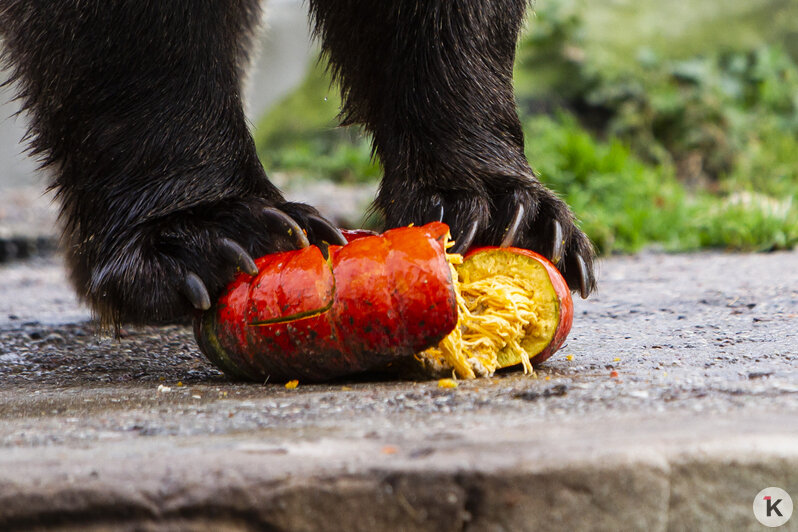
142,433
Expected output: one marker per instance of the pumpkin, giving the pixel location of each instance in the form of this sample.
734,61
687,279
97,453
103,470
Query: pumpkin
396,300
373,302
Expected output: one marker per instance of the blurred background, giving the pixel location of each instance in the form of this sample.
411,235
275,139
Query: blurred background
672,125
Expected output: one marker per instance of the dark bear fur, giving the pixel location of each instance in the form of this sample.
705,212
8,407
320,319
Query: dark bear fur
136,109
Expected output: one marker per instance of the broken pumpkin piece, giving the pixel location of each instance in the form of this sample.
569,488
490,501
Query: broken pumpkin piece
514,308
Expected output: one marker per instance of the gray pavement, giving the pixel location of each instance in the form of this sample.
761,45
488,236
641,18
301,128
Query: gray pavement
142,433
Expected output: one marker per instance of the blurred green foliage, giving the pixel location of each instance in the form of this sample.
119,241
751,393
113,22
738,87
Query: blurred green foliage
301,136
663,125
701,113
625,204
589,174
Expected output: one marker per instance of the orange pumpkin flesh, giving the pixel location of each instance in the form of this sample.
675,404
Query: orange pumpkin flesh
381,300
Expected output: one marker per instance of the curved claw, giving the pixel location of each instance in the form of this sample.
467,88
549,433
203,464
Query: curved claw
512,228
558,244
466,238
194,289
435,213
236,254
279,221
583,277
325,231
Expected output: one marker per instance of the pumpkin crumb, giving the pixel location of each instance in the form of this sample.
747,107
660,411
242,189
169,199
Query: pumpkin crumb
447,383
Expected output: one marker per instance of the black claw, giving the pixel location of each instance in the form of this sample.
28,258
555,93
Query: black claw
324,231
466,238
583,277
558,245
238,255
194,289
279,221
512,228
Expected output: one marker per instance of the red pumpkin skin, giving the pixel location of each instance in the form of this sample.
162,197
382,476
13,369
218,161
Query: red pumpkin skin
298,284
419,267
378,300
560,288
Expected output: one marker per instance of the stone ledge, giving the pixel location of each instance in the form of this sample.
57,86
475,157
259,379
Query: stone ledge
471,482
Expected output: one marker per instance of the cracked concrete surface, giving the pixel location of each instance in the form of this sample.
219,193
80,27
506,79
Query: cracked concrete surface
142,433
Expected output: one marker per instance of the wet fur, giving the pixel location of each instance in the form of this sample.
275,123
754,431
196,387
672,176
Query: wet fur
135,109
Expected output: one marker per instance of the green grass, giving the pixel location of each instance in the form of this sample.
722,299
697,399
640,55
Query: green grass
663,124
589,174
624,204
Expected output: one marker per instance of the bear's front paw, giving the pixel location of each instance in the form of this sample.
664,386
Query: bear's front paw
525,215
533,217
160,270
